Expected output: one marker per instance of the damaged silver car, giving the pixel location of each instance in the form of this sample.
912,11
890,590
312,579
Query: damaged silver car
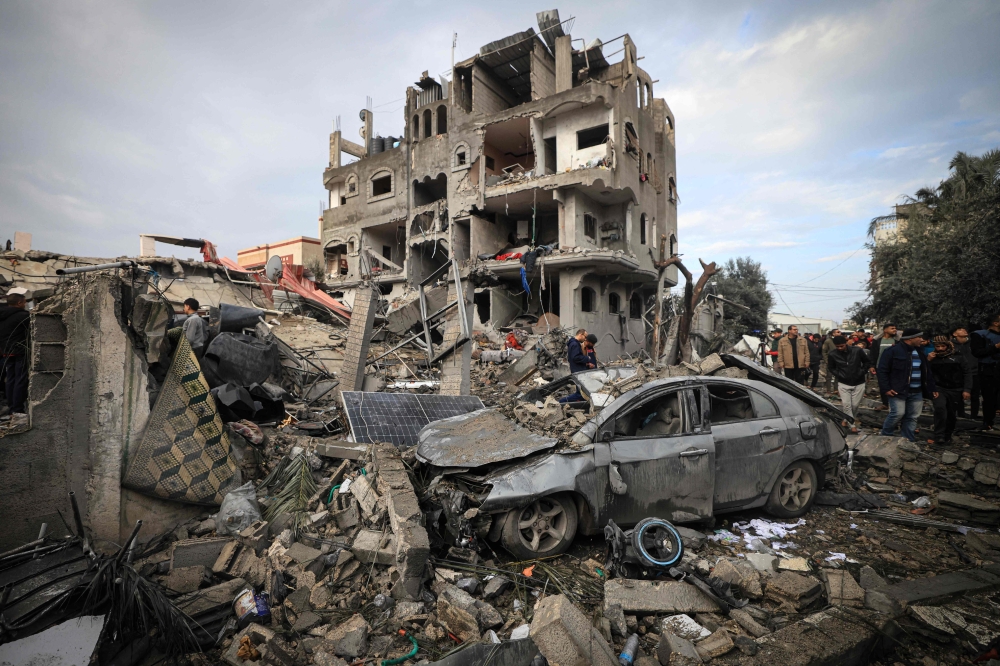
683,448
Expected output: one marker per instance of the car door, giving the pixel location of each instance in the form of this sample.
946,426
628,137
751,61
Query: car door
667,468
750,436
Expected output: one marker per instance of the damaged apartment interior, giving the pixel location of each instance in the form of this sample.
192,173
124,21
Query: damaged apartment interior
372,447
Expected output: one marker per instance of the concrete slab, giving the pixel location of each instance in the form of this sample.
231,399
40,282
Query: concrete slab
647,596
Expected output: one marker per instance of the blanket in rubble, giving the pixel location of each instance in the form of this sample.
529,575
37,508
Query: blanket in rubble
185,454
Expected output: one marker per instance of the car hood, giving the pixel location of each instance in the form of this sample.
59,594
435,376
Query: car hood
479,438
783,383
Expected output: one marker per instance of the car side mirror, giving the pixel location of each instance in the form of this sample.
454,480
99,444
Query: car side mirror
606,436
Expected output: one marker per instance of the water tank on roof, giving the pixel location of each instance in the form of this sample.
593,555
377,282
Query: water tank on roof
377,145
390,142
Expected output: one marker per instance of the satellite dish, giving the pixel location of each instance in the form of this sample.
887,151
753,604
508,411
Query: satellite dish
273,269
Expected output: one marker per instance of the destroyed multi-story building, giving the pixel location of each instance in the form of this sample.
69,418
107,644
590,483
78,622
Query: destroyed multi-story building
539,146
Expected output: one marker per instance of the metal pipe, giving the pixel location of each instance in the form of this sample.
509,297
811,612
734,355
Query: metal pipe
127,548
97,267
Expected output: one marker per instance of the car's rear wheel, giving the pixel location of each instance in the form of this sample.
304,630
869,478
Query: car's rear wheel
794,491
545,527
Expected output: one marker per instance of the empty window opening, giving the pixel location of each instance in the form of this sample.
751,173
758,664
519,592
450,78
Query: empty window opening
387,253
658,417
442,119
649,163
550,155
673,245
590,226
614,303
430,190
638,94
649,95
588,298
336,259
508,148
428,124
343,200
462,89
415,129
672,186
460,158
591,137
642,229
382,185
635,306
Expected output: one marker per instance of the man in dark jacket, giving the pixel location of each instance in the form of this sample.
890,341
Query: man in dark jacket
960,338
578,359
986,348
905,379
14,326
953,377
829,383
878,346
815,357
850,366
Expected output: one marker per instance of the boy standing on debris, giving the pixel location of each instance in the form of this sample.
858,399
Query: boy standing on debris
194,327
14,326
793,355
953,376
905,380
578,359
850,366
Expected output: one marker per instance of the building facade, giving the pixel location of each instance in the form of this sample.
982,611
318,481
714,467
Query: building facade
532,148
301,250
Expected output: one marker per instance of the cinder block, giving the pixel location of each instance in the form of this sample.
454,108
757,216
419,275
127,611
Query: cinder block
564,636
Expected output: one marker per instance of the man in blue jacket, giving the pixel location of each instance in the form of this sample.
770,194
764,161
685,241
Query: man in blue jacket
578,359
905,379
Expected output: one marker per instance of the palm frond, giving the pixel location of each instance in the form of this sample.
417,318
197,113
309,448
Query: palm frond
297,486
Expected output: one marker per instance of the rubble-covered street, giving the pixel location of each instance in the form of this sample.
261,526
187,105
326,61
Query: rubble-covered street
490,416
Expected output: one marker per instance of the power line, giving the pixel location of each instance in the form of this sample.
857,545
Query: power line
832,269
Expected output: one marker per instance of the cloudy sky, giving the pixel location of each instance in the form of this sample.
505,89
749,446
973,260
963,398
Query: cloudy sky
797,122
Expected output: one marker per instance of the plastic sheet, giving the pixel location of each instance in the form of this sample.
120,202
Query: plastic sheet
239,510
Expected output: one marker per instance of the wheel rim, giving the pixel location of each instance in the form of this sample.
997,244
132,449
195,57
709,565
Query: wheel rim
796,489
658,544
541,525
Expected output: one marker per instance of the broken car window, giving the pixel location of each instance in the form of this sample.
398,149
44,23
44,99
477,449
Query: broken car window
762,405
730,403
657,417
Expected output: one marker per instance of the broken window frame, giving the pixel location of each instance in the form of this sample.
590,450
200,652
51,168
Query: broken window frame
461,148
588,294
351,186
590,226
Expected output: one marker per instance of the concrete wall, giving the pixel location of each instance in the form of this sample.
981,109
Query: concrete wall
87,407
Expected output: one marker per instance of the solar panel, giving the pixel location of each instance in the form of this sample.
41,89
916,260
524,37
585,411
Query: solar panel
398,417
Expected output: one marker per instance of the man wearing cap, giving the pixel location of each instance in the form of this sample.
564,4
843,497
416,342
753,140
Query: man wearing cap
850,366
14,327
953,376
590,349
905,380
879,345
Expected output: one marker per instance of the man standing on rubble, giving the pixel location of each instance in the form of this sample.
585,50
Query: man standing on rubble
953,376
829,381
850,366
905,380
793,355
986,348
194,327
960,338
578,359
14,327
879,345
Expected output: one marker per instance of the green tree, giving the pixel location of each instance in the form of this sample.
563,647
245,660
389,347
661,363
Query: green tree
743,281
943,269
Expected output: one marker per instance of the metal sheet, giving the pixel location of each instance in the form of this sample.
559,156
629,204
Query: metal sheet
477,439
397,418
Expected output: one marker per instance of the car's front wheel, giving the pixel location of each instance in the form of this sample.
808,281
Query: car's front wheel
545,527
794,491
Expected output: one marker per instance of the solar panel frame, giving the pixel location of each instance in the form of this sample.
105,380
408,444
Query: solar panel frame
397,418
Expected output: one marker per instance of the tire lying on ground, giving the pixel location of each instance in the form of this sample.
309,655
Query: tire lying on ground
545,527
794,491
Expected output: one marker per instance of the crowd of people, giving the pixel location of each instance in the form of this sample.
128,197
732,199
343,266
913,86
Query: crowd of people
950,369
